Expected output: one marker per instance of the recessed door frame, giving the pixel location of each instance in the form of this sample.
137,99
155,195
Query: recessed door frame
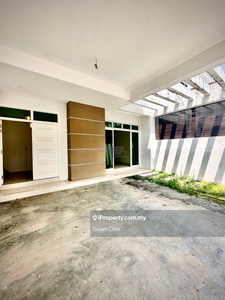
24,121
131,157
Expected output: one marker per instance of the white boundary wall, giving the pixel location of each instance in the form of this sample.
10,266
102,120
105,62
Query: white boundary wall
201,158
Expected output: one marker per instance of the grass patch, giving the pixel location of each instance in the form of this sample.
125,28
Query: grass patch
174,182
211,191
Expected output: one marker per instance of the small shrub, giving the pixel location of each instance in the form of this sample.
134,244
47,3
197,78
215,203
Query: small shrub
190,186
163,175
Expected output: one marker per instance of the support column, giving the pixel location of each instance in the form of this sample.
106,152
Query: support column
86,141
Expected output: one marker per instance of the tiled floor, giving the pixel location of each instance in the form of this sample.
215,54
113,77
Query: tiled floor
21,190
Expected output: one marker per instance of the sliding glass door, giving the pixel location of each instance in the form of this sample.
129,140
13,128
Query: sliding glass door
121,149
121,145
109,149
135,149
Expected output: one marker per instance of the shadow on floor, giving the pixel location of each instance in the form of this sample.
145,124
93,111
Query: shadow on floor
17,177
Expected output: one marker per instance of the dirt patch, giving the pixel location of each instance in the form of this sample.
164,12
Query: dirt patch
47,252
161,191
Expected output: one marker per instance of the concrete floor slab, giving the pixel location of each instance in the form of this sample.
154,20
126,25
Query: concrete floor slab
46,251
15,191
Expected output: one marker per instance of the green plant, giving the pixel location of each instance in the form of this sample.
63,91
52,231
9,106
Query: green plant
208,190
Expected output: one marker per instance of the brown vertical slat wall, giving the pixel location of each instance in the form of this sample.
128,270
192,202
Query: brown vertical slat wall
86,141
203,121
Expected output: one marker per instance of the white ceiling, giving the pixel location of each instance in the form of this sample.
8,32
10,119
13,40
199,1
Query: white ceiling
134,41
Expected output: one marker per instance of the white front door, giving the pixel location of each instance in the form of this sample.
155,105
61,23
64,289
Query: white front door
45,150
1,155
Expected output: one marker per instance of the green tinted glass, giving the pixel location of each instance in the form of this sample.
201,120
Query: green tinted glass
40,116
14,113
108,124
117,125
126,126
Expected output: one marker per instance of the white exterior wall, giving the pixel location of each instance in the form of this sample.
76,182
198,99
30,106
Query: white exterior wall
201,158
43,105
145,149
121,117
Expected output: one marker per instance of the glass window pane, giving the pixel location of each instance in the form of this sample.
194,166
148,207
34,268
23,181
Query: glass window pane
14,113
108,149
135,152
203,121
126,126
117,125
40,116
108,124
121,148
134,127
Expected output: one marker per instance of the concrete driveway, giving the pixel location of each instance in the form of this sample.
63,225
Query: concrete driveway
47,251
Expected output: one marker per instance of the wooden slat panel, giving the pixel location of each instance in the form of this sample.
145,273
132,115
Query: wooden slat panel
222,127
86,142
192,127
83,126
86,171
86,130
208,125
158,131
168,131
85,156
179,130
85,111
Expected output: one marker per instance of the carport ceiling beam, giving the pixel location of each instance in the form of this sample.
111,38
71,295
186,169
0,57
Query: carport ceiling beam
218,75
145,106
155,102
183,91
130,111
137,110
167,95
199,84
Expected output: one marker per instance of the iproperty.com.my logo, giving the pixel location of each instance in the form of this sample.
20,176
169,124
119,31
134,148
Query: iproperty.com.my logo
118,218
